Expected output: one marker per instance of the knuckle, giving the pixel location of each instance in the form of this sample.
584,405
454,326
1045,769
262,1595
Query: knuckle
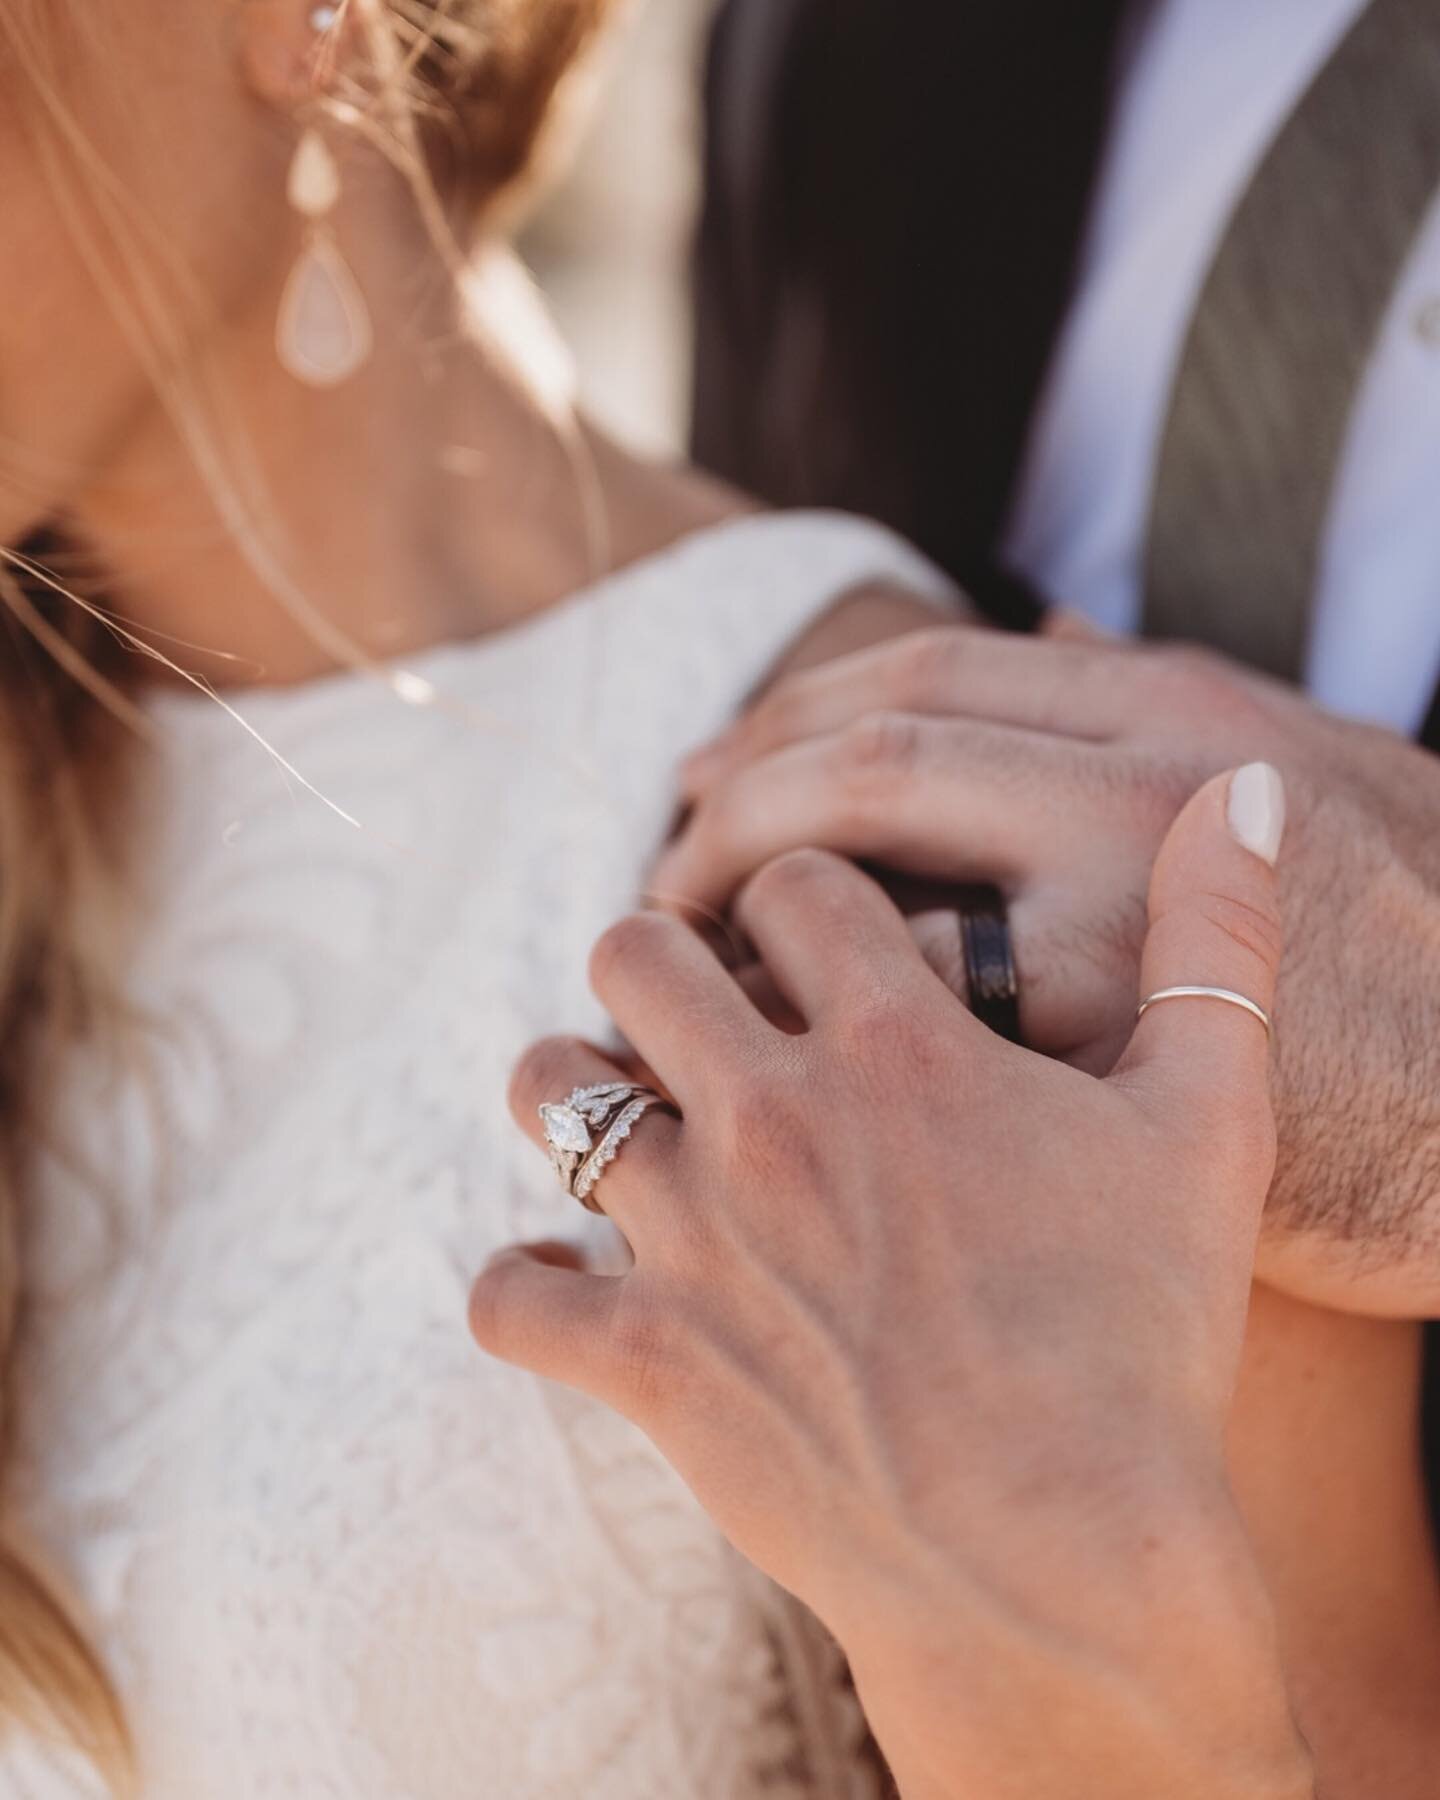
1253,929
797,873
780,711
722,818
767,1117
759,1106
929,663
885,1034
1157,788
1192,667
881,749
1202,684
630,941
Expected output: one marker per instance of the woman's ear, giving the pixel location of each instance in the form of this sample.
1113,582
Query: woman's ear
290,50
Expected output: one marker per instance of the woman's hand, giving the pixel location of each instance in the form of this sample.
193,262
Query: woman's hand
1054,767
943,1334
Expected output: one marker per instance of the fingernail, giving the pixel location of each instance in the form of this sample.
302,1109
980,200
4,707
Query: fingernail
1256,810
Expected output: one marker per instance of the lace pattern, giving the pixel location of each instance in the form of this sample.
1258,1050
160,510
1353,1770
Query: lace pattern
333,1553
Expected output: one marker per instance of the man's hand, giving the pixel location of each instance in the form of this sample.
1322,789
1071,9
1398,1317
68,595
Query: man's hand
943,1333
1054,767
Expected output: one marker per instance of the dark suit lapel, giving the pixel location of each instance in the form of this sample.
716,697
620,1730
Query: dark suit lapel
878,306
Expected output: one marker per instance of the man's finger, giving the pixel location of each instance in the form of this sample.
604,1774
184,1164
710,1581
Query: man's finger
944,798
1065,683
1214,922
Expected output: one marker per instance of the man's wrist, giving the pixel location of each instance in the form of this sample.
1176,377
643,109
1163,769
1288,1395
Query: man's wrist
868,615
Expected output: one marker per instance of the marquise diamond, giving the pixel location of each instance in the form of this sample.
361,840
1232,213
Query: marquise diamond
565,1129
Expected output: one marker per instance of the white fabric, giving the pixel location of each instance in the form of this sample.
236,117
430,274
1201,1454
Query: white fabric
1210,85
334,1553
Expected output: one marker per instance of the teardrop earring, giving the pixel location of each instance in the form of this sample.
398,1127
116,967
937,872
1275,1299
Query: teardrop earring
322,335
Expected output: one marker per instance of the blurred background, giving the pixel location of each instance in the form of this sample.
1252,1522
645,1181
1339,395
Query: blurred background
610,244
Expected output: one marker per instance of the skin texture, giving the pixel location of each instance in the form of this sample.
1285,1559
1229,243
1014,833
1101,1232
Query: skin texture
1016,1504
436,495
973,1358
1055,767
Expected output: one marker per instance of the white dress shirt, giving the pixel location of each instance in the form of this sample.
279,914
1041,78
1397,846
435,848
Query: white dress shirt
1209,85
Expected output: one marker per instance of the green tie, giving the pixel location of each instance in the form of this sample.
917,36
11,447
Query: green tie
1280,339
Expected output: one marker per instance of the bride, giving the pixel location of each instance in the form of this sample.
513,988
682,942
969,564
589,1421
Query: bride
344,679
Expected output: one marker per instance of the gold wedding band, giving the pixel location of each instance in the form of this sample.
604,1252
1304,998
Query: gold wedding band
1228,995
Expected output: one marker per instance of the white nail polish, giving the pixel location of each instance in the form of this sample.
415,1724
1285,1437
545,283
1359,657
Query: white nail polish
1256,809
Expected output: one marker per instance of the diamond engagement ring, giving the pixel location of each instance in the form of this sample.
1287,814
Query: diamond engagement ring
585,1133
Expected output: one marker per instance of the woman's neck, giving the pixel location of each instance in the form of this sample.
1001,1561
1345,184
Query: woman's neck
430,498
1325,1459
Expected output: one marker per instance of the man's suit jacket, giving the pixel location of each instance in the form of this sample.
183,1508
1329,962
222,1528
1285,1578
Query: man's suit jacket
896,193
895,198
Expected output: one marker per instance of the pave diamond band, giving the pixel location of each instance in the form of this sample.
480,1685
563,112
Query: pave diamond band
586,1132
609,1147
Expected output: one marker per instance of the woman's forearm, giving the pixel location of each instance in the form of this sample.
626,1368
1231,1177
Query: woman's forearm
1154,1675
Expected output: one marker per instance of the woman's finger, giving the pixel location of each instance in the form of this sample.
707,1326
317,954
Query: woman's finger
673,1000
531,1306
829,935
1214,922
1068,683
547,1074
944,798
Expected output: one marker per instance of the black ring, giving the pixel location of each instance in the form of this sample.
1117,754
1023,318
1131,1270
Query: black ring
993,986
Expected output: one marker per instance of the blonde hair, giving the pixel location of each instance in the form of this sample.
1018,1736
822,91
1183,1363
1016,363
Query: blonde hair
455,93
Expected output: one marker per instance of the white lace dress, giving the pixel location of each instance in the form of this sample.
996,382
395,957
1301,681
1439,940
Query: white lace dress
331,1551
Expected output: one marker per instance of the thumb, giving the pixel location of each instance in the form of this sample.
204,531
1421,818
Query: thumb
1214,922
